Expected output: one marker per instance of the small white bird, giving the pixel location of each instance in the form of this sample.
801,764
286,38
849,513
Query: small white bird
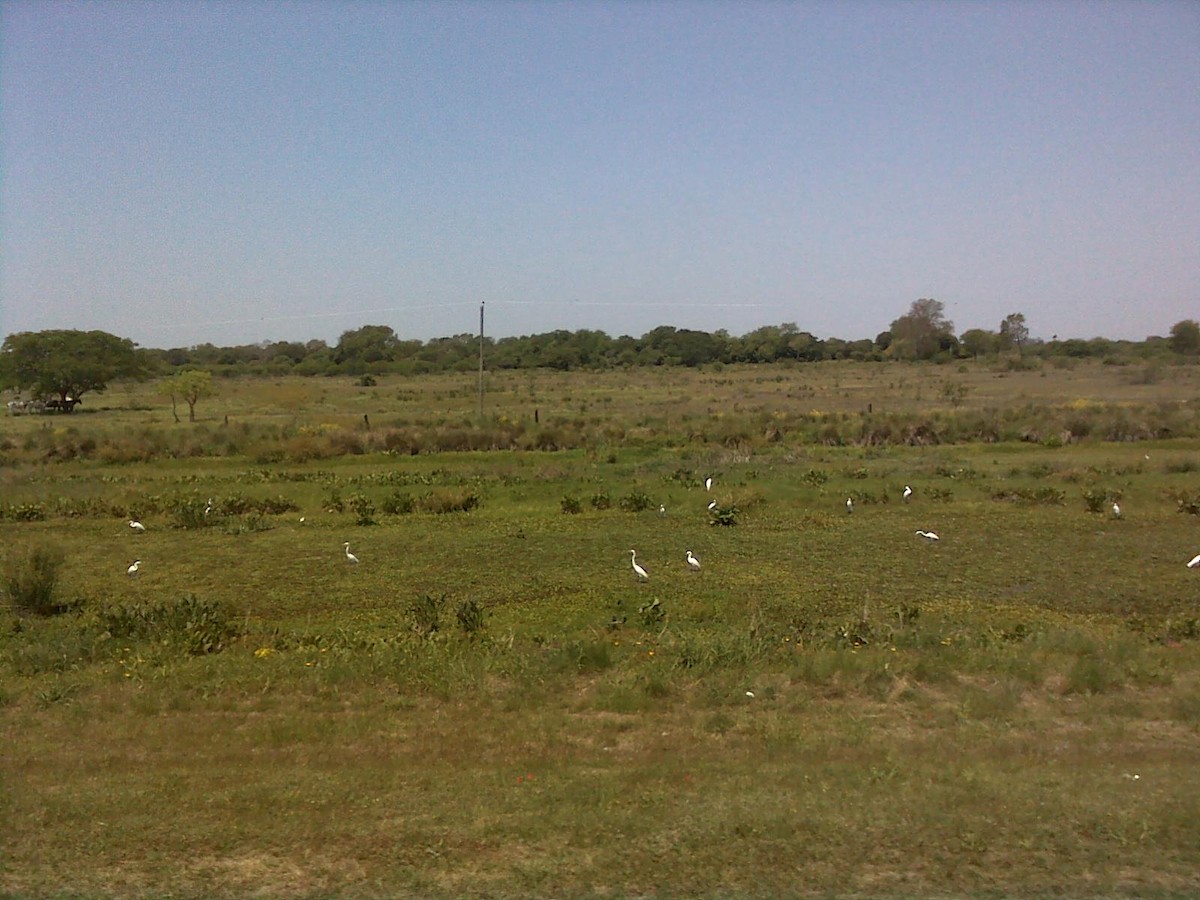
350,557
708,483
637,570
929,535
133,570
907,493
1116,511
1194,561
849,504
137,526
302,520
208,508
693,563
662,510
712,505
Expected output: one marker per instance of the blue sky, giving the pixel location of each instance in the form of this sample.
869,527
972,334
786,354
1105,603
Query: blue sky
228,172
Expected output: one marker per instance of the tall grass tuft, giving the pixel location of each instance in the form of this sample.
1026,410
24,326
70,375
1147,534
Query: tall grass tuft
31,582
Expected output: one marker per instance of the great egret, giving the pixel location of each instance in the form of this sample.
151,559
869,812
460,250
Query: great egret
708,483
137,526
1194,561
133,570
693,563
1116,511
929,535
637,570
350,557
662,510
907,493
712,505
208,508
849,504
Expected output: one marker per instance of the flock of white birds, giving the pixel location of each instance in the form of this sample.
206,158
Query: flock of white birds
692,561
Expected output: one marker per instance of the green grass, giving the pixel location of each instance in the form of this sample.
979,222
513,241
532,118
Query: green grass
831,706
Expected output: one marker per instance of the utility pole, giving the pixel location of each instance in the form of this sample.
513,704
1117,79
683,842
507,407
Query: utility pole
481,362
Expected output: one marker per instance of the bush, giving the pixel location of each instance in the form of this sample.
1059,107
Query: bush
724,516
426,613
364,509
570,505
470,616
601,500
189,623
636,501
31,582
398,504
449,501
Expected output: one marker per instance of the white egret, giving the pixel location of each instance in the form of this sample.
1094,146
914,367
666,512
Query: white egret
1116,511
133,570
662,510
1194,561
712,505
208,508
350,557
302,520
137,526
708,483
907,493
693,563
637,570
849,504
929,535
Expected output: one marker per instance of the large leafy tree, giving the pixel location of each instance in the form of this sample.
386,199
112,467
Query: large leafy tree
922,331
1185,337
1013,330
67,364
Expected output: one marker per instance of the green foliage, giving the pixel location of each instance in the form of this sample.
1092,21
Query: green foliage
398,504
31,581
601,500
470,616
425,614
194,625
1098,500
723,516
652,614
570,505
363,509
1188,502
66,363
190,386
636,501
447,501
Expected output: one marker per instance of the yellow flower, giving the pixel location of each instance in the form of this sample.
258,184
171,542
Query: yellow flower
263,651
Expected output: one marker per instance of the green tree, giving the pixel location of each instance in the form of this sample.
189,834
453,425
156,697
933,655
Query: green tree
67,364
1185,337
979,342
922,331
1014,331
191,386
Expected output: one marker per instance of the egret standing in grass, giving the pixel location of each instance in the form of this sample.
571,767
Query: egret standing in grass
708,483
1116,509
208,508
137,526
712,505
133,570
929,535
693,563
849,504
1194,561
350,557
637,570
662,510
907,493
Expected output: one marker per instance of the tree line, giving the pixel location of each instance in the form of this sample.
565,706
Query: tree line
68,364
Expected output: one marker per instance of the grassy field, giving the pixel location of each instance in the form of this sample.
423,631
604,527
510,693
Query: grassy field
492,704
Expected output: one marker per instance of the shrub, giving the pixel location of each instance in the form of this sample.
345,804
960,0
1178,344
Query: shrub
601,500
724,516
194,625
449,501
31,582
398,504
570,505
426,613
636,501
470,616
364,509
